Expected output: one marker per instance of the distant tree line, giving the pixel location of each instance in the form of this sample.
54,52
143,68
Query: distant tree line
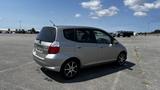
20,31
157,31
30,31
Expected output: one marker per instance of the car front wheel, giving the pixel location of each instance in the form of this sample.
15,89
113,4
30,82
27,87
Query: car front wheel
121,58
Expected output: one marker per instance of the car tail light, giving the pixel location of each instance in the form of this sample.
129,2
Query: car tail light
54,48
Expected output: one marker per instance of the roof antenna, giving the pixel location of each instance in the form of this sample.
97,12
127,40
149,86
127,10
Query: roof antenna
52,23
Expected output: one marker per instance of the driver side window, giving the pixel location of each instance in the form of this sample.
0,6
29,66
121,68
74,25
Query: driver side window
102,37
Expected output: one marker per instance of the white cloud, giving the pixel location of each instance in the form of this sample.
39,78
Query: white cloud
157,4
140,7
77,15
107,12
92,4
140,14
97,10
149,5
94,17
132,2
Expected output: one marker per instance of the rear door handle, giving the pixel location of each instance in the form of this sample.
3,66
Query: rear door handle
79,47
101,47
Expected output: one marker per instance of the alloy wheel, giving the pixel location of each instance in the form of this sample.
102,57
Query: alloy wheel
70,69
121,59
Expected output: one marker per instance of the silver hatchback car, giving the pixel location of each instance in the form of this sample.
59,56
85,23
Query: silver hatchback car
67,49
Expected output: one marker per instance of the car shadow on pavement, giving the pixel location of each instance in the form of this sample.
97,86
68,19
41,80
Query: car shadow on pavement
88,73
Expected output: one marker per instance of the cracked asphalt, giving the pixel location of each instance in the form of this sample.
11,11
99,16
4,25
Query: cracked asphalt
18,71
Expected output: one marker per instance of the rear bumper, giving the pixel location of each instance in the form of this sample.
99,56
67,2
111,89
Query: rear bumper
48,63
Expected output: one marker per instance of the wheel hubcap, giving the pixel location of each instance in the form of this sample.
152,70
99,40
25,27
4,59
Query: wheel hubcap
122,58
71,69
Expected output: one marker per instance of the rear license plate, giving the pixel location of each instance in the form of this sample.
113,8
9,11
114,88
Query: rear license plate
39,48
40,54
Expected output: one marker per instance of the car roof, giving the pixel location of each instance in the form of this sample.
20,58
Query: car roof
61,27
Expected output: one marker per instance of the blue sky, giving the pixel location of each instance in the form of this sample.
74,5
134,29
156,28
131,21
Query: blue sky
111,15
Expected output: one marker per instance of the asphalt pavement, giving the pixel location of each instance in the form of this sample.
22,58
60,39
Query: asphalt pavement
18,71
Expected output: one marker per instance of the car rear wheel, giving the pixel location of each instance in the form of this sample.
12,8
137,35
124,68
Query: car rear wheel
121,60
70,69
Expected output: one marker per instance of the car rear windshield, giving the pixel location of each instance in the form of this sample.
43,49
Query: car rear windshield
47,34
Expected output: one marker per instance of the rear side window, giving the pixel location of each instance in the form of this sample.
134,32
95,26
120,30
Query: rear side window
85,36
69,34
47,34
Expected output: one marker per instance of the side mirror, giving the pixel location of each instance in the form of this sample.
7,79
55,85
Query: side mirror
115,42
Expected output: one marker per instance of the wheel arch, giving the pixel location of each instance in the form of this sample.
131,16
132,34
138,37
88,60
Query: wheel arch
72,58
123,52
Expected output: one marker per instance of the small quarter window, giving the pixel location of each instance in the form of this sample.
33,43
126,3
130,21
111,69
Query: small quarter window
69,34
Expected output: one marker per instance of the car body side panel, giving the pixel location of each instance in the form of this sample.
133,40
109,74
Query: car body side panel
87,53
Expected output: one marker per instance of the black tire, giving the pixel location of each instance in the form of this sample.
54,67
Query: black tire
70,69
121,60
